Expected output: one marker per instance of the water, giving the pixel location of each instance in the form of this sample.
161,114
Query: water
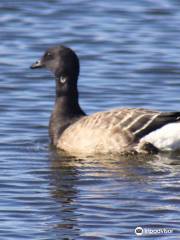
129,53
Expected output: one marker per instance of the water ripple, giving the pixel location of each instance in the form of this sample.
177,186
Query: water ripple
129,55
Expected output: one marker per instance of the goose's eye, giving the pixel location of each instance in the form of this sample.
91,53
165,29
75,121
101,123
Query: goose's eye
62,79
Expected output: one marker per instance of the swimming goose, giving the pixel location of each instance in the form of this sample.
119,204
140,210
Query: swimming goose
115,131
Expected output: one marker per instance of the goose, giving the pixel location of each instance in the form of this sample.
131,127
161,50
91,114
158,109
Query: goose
117,131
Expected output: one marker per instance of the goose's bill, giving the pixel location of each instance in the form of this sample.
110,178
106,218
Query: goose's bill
37,64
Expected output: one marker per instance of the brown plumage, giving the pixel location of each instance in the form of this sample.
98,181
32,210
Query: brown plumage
115,131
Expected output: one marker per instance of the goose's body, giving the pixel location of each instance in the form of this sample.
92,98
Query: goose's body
121,130
114,131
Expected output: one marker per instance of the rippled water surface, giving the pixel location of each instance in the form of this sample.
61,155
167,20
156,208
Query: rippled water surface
130,56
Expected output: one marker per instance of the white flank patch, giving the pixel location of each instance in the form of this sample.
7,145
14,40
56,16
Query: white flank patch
166,138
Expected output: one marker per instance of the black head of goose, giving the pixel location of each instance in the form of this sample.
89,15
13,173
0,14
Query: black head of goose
113,131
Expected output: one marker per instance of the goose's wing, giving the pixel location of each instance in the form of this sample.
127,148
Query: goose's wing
140,122
137,122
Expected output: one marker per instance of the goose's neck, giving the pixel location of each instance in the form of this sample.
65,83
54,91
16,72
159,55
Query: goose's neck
67,103
66,111
67,106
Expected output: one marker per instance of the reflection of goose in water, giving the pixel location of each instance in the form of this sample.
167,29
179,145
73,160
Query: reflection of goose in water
64,191
100,192
114,131
117,166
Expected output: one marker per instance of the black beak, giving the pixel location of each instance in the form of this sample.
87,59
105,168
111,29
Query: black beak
37,64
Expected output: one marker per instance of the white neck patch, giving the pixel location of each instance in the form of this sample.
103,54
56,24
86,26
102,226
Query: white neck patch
62,79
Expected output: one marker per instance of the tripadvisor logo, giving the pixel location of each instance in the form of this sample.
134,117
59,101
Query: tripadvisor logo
139,231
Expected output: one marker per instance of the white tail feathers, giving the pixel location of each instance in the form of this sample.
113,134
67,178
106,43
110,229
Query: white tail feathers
166,138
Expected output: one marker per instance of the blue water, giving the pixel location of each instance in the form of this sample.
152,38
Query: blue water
130,56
